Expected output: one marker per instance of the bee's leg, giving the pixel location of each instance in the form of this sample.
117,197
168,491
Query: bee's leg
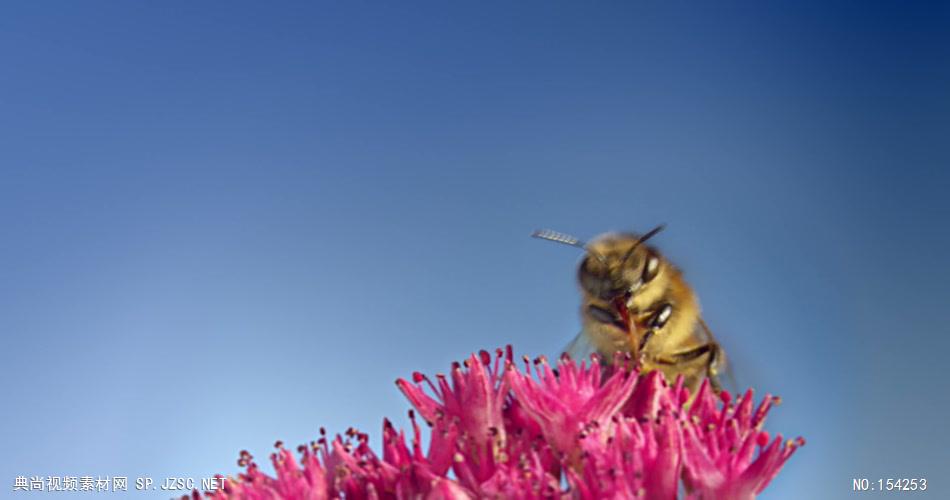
716,363
660,316
712,373
687,356
710,365
643,341
657,319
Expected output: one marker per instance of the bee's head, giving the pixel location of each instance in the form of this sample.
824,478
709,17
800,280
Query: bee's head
616,264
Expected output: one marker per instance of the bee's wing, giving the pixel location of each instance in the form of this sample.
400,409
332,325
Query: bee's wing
581,348
725,375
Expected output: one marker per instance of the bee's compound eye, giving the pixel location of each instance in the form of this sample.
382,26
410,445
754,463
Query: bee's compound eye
586,266
651,268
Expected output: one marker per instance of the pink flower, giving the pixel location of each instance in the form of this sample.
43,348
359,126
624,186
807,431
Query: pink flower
572,401
307,480
574,431
719,444
473,405
638,460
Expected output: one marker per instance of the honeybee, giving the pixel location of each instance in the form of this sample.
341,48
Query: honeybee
635,301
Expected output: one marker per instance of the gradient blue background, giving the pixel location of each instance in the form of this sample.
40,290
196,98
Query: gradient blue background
224,224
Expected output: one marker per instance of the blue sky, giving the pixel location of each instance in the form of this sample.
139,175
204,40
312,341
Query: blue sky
227,224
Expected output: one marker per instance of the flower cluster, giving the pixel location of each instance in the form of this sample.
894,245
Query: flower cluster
577,430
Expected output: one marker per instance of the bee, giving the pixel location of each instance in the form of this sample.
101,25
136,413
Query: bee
633,300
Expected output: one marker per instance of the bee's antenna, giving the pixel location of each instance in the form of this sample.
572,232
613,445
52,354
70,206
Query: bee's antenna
565,239
649,234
